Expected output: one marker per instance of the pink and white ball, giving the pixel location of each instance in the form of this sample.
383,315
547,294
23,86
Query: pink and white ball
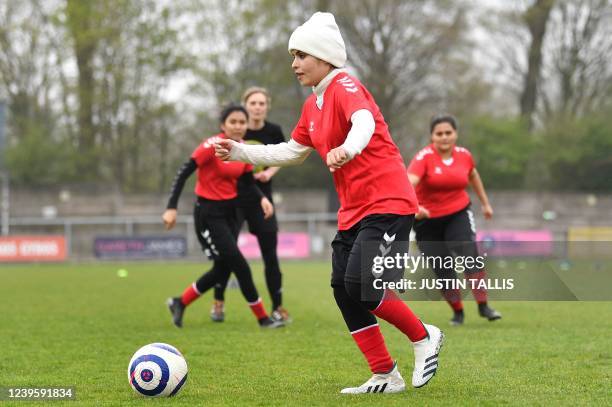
157,370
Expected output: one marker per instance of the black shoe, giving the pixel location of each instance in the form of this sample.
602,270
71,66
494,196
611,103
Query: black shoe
487,312
457,318
177,309
268,322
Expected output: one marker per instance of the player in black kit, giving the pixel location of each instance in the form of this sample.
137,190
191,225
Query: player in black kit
260,131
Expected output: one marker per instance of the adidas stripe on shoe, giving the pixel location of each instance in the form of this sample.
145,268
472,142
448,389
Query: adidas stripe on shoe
391,382
426,352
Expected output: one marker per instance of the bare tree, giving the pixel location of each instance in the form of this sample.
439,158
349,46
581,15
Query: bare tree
401,51
138,54
25,59
536,19
82,19
578,54
568,46
85,83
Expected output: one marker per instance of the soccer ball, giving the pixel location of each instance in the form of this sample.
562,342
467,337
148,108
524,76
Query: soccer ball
157,370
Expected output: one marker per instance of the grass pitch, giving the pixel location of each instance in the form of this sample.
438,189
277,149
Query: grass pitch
78,325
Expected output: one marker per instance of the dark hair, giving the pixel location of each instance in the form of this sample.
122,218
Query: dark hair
231,108
442,118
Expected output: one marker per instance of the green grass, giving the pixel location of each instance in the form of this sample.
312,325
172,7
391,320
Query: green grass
78,325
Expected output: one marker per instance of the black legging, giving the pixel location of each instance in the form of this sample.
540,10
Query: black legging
217,232
266,232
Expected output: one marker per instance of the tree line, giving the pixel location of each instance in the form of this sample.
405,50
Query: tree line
118,92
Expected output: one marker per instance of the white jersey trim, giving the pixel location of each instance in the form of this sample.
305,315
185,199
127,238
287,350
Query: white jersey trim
363,329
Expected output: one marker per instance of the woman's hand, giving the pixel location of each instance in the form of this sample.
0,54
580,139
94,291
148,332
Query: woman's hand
263,176
268,208
423,213
223,149
487,211
169,218
336,158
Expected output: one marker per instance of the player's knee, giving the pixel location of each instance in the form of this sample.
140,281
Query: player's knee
340,295
367,296
353,290
268,241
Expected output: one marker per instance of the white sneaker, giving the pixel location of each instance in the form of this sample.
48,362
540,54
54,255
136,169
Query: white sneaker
426,356
391,382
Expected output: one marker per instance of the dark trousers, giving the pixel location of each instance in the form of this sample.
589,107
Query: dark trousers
266,231
217,232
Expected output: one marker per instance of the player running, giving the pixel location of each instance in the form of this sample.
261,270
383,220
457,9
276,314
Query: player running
215,217
377,203
445,225
256,100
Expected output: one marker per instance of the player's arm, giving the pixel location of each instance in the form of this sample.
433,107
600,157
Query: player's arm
279,155
414,179
423,212
247,184
169,216
479,189
362,129
267,174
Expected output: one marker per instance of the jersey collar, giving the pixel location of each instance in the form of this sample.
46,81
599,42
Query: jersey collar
319,90
440,155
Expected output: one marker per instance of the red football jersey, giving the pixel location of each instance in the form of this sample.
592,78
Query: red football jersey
442,187
217,180
375,181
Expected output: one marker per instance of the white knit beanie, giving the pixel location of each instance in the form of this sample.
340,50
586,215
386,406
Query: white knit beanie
321,38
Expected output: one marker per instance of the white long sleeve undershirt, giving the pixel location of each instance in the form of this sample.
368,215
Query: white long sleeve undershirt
294,153
277,155
360,134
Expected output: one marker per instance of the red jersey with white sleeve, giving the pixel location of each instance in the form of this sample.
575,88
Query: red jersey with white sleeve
217,180
441,189
375,181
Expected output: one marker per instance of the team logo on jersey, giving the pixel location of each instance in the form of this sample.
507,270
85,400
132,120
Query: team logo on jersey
211,142
437,170
348,84
311,128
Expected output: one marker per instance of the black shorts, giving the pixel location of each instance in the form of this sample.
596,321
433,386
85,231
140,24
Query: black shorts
216,226
355,249
450,235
